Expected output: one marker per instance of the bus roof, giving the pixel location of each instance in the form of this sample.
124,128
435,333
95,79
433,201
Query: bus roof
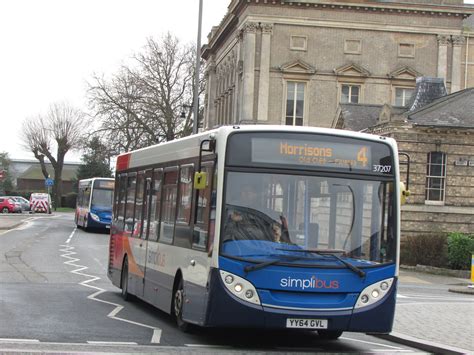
188,147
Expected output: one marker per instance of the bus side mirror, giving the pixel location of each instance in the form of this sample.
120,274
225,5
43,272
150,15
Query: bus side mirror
200,180
404,193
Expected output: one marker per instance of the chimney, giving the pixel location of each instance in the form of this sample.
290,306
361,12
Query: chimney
427,90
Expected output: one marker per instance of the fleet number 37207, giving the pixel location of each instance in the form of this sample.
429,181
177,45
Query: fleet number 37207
382,168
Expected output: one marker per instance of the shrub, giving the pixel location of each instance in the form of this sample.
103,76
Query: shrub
428,250
460,249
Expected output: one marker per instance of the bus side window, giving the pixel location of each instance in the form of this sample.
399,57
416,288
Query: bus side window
87,197
80,196
130,204
155,207
121,199
168,214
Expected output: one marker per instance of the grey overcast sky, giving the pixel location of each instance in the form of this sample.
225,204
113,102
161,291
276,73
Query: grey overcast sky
50,48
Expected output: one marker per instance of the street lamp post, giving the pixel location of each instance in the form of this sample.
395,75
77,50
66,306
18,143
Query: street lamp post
197,70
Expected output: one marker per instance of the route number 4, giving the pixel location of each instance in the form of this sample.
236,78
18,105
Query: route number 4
362,156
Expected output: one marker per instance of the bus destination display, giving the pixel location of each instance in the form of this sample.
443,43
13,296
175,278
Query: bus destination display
104,184
312,153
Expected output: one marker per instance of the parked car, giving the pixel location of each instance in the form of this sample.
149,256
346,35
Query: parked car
9,205
40,202
25,204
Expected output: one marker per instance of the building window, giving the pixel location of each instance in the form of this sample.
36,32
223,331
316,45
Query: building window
294,103
350,94
298,43
435,177
352,46
402,96
406,50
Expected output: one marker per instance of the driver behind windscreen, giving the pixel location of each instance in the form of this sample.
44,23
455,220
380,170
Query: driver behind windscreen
248,219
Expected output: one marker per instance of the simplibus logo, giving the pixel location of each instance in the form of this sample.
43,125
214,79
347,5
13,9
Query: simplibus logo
305,284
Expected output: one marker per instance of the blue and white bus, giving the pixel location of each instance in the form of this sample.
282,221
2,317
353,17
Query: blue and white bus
314,246
94,203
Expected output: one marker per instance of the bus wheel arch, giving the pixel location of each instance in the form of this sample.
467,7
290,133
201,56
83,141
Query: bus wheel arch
177,302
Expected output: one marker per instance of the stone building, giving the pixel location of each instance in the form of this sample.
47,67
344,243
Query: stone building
437,132
293,62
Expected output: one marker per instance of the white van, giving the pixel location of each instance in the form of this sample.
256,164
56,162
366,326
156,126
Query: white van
40,202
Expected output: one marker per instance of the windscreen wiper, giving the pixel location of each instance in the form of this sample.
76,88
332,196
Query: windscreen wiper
259,266
332,253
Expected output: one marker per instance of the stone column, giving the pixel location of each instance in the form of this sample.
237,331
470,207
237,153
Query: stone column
443,42
264,82
456,70
210,116
248,86
237,100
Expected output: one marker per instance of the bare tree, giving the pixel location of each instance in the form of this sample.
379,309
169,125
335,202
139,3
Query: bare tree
60,130
142,104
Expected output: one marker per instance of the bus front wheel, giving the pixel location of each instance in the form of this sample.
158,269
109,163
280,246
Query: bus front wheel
329,334
178,302
124,282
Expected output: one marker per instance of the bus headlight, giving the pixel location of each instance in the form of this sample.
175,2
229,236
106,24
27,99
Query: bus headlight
94,217
374,293
240,287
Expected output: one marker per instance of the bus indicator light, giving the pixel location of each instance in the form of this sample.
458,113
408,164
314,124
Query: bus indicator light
229,279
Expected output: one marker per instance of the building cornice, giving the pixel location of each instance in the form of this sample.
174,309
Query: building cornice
372,6
237,7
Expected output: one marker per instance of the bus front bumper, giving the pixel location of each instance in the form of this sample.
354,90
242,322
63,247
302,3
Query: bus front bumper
226,310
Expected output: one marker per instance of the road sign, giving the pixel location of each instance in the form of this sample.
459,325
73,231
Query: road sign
49,182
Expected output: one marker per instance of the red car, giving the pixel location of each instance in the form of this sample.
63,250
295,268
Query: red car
9,205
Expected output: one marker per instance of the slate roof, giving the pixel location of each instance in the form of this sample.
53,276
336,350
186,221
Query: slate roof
455,110
358,116
427,90
34,172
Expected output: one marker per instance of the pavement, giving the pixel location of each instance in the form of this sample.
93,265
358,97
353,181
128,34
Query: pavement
434,313
13,220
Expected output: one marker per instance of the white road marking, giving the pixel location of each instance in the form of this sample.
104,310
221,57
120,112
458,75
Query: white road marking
91,278
207,346
441,298
384,351
112,342
401,296
430,303
156,338
12,340
71,235
372,343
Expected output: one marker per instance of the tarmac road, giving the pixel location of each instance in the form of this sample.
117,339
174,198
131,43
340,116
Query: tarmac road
39,268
